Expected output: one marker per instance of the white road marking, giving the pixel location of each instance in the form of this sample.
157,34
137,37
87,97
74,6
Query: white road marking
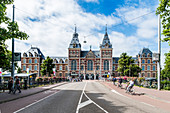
119,94
77,110
96,104
35,102
147,104
84,103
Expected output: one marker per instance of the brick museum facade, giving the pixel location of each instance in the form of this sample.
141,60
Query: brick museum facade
87,64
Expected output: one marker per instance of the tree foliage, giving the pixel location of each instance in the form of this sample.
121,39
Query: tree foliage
19,70
127,66
165,73
9,32
47,66
164,11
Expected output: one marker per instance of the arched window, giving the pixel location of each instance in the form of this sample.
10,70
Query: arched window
73,65
90,65
106,65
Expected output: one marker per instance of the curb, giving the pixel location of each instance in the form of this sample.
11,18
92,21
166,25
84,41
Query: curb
4,101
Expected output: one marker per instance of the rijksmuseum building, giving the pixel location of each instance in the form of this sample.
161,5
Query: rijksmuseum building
88,64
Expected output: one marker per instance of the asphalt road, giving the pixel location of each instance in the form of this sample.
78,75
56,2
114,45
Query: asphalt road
83,97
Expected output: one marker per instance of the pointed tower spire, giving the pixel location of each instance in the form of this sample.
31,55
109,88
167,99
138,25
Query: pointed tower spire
106,29
75,41
75,28
106,41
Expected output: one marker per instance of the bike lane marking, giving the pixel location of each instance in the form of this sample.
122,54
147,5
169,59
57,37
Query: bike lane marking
35,102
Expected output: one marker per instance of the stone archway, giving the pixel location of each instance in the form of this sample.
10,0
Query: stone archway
97,76
92,77
87,76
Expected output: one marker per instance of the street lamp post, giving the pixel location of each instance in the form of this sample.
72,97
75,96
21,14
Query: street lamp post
159,49
13,68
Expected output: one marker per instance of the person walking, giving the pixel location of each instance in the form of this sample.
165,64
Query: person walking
114,80
10,84
17,85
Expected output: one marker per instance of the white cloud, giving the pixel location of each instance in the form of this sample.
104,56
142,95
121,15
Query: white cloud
53,30
95,1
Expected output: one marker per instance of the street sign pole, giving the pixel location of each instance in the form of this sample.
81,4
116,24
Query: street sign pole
159,50
13,68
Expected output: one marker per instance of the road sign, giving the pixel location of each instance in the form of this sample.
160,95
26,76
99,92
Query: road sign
54,71
17,56
0,71
155,57
27,70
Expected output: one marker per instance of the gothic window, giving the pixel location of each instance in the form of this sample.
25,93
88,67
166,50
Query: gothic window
143,68
143,61
60,68
24,68
106,65
35,68
90,65
30,61
24,60
153,68
148,61
73,65
97,67
82,67
35,60
148,68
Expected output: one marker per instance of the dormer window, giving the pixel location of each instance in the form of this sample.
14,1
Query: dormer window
30,54
24,55
143,55
74,45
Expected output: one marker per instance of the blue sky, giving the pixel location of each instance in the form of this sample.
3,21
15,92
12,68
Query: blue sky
50,25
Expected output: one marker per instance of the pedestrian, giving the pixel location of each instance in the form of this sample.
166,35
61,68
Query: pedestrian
10,84
114,80
17,85
120,82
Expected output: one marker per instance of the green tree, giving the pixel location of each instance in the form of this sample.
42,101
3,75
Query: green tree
47,66
164,11
9,32
165,73
19,70
127,66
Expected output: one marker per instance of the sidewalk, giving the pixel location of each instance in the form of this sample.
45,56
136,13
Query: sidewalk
161,95
5,97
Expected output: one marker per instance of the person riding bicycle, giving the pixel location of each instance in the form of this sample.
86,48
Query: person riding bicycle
130,86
